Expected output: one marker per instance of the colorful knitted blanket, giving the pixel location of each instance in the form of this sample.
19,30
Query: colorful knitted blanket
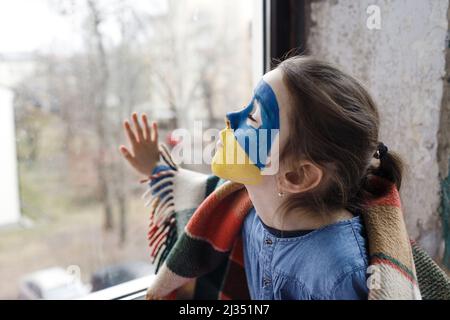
195,241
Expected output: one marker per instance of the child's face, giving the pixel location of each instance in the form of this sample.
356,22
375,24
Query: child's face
251,142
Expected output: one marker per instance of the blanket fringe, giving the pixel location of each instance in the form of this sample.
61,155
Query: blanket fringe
162,232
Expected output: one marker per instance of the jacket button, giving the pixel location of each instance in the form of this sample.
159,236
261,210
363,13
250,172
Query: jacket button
268,241
266,282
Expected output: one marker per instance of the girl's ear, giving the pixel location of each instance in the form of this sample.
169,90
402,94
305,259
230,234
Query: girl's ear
306,176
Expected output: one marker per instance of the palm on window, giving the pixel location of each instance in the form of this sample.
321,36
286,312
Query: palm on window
144,152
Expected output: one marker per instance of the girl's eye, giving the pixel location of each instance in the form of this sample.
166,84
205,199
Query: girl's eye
254,116
252,113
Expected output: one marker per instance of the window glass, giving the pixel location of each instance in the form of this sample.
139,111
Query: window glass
74,71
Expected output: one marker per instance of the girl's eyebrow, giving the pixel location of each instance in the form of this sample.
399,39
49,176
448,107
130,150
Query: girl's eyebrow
260,84
257,100
261,99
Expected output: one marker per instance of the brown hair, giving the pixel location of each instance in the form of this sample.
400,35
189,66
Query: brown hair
334,123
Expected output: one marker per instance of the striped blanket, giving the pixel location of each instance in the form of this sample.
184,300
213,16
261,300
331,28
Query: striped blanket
195,241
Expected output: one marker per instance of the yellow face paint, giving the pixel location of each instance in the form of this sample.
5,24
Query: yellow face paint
232,163
247,140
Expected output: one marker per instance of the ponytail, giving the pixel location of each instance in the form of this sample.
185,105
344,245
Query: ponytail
391,166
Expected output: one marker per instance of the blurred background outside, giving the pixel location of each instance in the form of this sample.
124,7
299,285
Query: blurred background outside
70,73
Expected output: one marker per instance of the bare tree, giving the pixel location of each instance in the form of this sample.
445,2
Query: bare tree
170,58
98,96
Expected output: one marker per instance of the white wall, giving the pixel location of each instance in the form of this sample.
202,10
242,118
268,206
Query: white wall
9,193
403,65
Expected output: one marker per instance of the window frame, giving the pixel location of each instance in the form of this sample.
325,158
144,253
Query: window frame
285,29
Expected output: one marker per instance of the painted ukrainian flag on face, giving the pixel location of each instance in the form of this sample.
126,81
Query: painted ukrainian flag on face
249,138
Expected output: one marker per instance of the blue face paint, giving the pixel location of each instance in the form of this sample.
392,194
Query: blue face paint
257,137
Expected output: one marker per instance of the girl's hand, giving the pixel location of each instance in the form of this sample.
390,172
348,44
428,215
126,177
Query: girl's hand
149,295
144,152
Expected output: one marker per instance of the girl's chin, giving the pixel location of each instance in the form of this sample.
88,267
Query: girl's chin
247,173
231,162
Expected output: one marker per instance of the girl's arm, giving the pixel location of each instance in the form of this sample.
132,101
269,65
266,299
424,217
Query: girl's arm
173,193
171,188
173,196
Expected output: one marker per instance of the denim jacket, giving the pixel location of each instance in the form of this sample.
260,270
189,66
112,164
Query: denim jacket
327,263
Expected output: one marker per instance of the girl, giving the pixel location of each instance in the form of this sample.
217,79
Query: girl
301,234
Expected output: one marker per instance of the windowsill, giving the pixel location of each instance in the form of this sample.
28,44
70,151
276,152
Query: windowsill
131,290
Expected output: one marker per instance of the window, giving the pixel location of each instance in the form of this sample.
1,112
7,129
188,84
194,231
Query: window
70,72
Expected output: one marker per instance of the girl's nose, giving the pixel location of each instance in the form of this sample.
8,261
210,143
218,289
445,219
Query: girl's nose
234,118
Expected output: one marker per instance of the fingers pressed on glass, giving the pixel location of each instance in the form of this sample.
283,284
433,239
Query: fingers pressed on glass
130,134
146,127
138,127
126,153
154,131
